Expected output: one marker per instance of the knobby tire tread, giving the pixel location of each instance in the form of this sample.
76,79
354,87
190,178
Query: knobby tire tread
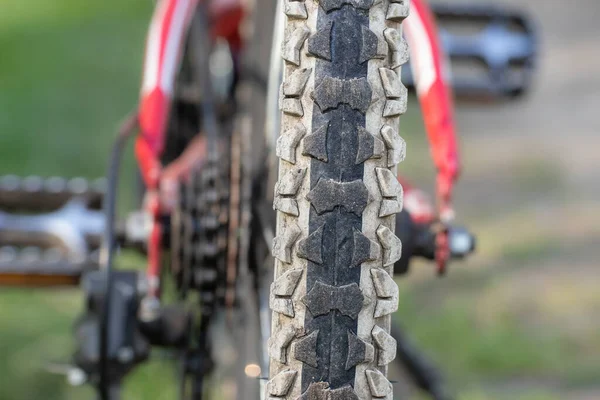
336,200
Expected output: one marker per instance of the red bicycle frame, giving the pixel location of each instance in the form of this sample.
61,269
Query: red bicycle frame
165,42
431,72
164,47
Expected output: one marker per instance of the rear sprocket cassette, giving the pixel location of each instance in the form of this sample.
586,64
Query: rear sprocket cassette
199,229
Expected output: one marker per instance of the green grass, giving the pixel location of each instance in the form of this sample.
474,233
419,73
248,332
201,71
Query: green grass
529,395
34,331
68,74
69,71
537,175
473,349
418,166
477,394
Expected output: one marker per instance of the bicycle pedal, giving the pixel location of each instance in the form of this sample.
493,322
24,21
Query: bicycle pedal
69,234
30,254
38,267
492,50
34,193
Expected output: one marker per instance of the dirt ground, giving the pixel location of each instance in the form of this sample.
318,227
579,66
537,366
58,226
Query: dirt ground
531,182
537,158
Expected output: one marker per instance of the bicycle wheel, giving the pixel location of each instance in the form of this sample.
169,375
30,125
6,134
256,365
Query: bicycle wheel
336,197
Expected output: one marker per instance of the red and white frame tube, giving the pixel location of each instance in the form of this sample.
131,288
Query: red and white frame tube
431,72
164,46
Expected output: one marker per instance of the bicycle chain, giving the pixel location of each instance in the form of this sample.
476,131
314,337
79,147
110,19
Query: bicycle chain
200,230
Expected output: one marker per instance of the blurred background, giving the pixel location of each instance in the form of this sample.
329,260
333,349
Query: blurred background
519,320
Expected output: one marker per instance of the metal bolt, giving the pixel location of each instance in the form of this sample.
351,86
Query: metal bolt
138,227
125,355
76,377
149,309
461,242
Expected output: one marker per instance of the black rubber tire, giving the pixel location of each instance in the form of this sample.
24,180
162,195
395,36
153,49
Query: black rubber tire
337,197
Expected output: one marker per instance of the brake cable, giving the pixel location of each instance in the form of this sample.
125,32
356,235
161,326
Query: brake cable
107,250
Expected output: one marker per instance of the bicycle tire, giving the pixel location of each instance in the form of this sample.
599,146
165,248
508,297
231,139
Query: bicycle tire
336,200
